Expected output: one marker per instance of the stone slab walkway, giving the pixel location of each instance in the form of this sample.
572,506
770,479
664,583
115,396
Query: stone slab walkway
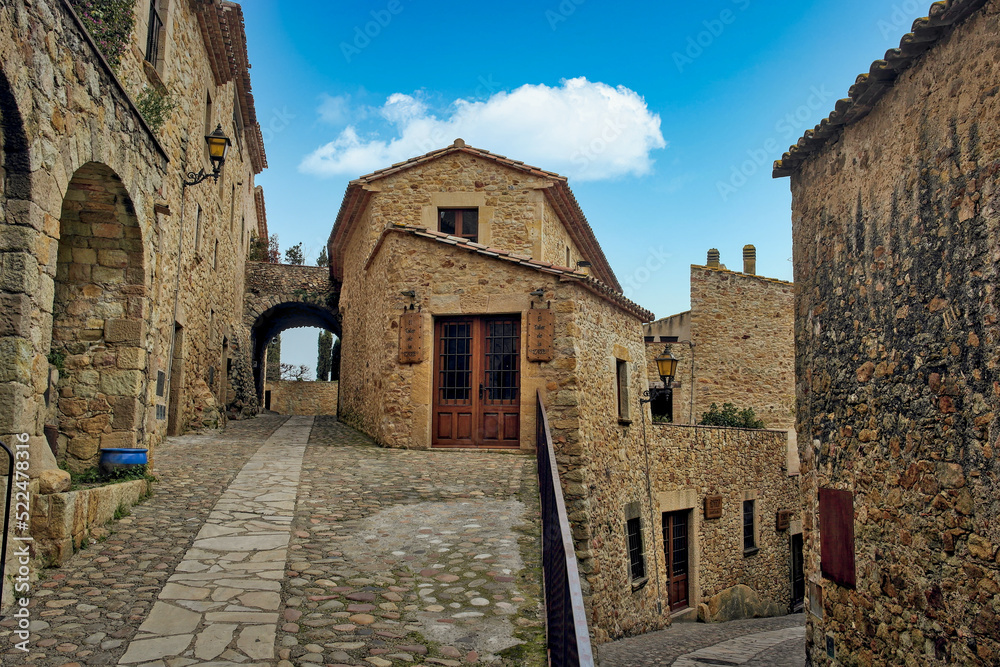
759,642
226,589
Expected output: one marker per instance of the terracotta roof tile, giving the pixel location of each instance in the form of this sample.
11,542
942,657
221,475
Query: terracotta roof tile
869,88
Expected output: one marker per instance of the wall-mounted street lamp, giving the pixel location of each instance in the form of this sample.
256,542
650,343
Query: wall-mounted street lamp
218,149
666,366
412,294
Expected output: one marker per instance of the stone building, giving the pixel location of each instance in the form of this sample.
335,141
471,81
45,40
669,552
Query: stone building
735,345
121,288
896,228
469,284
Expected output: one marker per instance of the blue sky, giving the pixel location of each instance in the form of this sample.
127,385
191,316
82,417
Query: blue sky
665,116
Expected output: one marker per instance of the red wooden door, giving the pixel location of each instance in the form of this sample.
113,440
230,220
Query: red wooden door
675,546
477,381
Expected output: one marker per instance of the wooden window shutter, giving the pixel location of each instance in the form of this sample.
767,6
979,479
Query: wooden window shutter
836,529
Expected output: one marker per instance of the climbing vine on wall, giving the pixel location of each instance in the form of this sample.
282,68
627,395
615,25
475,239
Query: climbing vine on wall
110,24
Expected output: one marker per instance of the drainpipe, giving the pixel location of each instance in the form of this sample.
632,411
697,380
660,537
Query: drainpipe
177,298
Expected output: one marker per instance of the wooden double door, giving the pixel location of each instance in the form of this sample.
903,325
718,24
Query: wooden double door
477,382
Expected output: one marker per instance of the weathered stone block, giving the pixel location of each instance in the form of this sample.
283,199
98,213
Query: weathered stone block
16,356
107,230
84,256
118,439
124,331
102,274
83,447
15,315
122,383
116,259
127,414
132,358
53,481
18,272
96,424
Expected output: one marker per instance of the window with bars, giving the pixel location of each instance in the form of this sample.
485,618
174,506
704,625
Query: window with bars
502,355
461,222
636,557
154,32
749,527
455,363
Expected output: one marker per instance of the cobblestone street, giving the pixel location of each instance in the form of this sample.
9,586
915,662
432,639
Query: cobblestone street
296,541
758,642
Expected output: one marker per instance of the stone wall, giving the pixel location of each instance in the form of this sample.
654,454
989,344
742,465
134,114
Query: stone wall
289,397
63,522
741,325
896,230
103,251
736,346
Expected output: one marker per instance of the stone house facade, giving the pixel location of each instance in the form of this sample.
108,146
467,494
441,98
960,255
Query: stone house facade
896,228
450,330
122,288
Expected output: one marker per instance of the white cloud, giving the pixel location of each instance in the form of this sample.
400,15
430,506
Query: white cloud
585,130
336,110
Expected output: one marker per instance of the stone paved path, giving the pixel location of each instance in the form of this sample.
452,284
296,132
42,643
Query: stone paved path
761,642
226,587
412,556
388,557
87,611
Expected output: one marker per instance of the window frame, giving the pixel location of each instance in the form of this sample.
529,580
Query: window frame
155,25
622,392
459,221
636,551
750,529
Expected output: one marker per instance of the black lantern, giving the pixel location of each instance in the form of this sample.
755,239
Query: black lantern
218,149
666,366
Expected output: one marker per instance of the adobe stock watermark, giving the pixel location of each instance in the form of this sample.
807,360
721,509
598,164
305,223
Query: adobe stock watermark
562,12
697,44
900,19
787,131
363,35
655,261
278,123
588,153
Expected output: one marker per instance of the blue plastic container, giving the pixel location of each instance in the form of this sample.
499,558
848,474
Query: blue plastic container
113,458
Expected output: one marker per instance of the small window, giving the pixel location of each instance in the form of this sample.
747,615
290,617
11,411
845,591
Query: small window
662,407
749,527
568,257
637,560
461,222
215,256
237,121
154,33
621,380
197,227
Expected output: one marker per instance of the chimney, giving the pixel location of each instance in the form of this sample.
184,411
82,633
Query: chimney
749,259
713,259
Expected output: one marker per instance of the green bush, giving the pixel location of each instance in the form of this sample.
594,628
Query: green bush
729,415
155,107
110,24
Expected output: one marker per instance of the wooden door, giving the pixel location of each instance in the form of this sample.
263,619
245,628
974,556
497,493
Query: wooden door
477,395
675,546
798,574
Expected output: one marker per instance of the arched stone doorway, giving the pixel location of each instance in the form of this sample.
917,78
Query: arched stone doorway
98,319
281,317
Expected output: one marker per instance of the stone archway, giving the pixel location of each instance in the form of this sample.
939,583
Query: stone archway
280,297
279,318
98,327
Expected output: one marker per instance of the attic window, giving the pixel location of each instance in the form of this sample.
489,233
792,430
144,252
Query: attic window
461,222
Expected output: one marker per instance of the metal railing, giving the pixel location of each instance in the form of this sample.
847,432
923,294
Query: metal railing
566,620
